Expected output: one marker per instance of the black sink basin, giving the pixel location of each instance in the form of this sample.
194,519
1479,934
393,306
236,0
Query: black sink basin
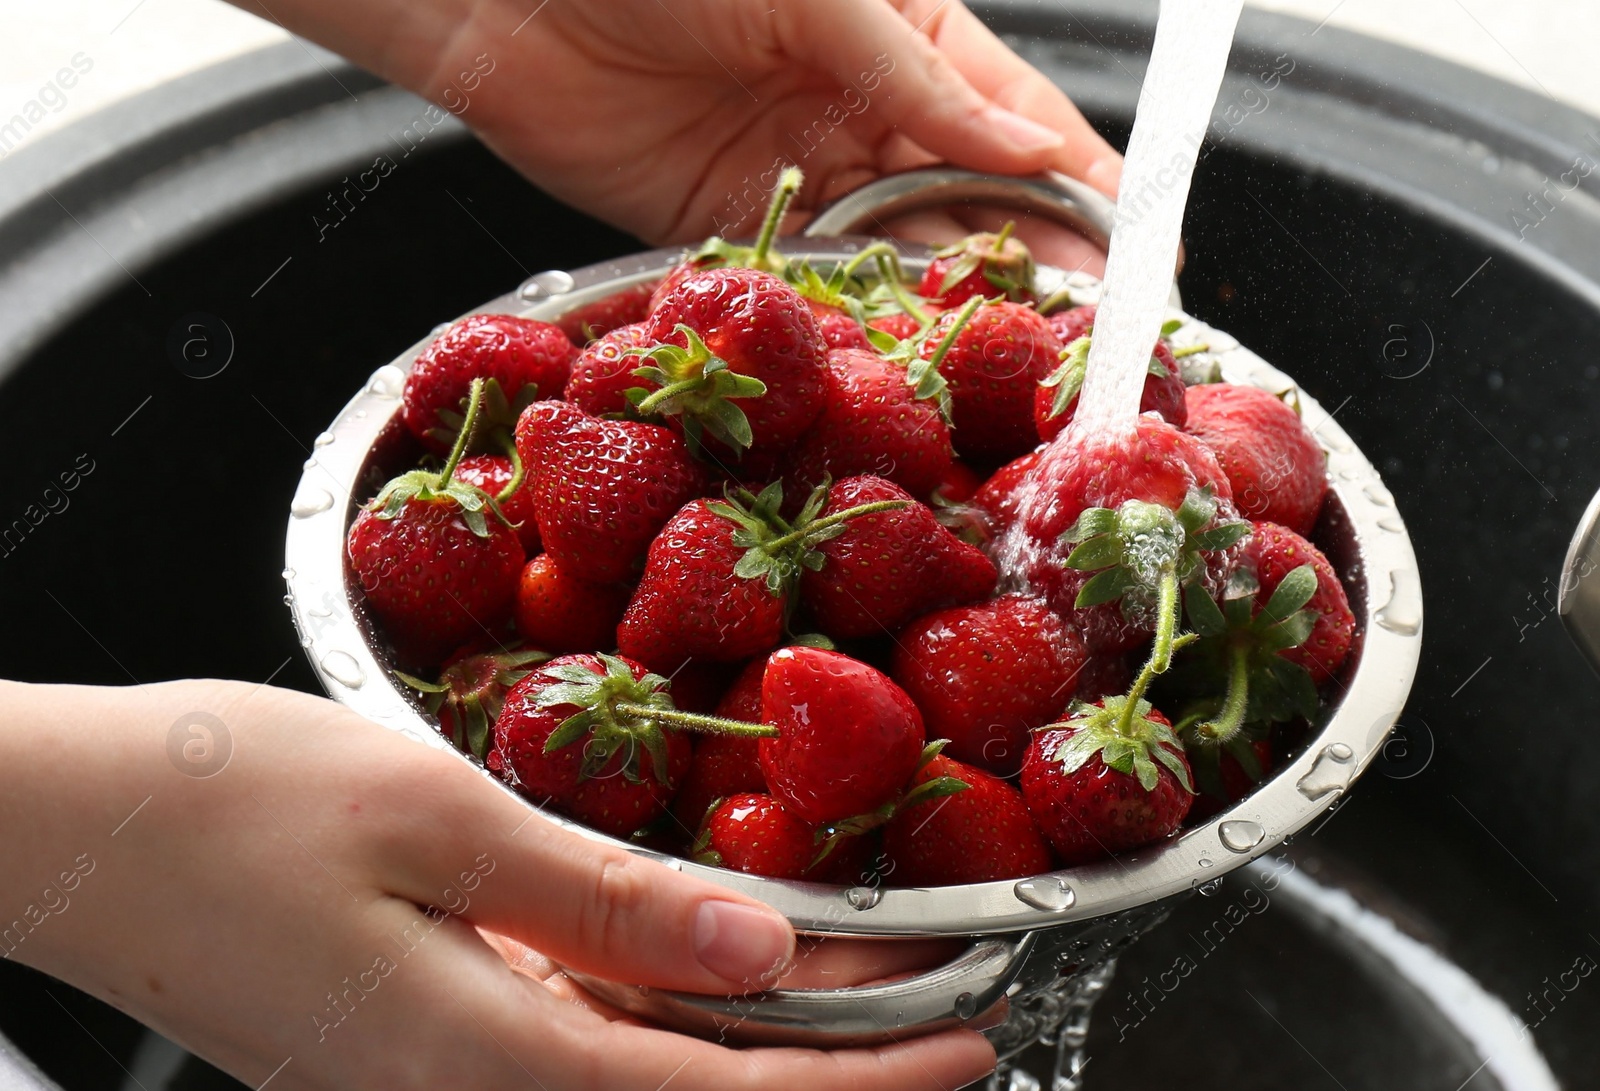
1366,230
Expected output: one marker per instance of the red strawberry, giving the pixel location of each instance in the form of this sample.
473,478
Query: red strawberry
874,422
599,318
751,832
899,325
1097,786
523,359
604,371
1055,399
979,834
1104,675
959,484
493,474
563,613
741,359
992,369
848,738
719,580
602,488
471,690
1274,552
725,765
886,568
584,734
839,330
1073,324
1115,525
985,265
438,564
998,497
1277,470
985,675
1228,773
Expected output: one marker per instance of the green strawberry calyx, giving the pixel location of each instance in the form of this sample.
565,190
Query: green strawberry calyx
1006,262
922,372
427,486
697,385
1123,732
1067,379
831,834
471,692
496,420
1245,646
1142,554
718,252
618,712
777,550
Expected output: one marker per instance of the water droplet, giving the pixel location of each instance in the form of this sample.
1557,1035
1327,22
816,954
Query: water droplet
1208,889
966,1006
1048,892
863,897
1336,440
437,330
343,668
323,439
288,573
1402,614
309,464
310,501
1204,861
644,990
1331,772
1353,473
555,281
673,862
1393,524
359,414
1379,495
387,382
1240,834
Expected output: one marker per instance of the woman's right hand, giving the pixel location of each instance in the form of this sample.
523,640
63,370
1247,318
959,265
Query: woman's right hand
247,870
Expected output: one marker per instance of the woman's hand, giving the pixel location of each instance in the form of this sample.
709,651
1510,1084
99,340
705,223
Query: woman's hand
673,118
250,871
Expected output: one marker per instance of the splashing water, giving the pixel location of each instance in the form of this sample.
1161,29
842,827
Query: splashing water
1180,89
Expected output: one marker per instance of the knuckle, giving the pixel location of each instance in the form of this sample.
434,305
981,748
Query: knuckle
621,889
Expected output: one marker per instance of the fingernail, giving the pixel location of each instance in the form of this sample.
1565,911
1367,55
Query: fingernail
1028,136
741,943
1104,174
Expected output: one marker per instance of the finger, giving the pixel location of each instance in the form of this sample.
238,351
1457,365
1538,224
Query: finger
839,963
456,843
1011,82
912,85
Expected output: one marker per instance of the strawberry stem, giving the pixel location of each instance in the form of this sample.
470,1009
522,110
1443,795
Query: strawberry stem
518,470
695,721
1142,683
1189,350
1235,700
889,271
671,390
788,185
968,309
468,423
880,252
1166,620
1005,233
832,521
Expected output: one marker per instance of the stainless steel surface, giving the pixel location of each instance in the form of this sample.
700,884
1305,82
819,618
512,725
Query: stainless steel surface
1372,550
1050,194
1578,601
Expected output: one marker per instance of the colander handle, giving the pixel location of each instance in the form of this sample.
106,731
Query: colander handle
938,999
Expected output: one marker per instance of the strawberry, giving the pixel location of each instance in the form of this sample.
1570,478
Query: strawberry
899,325
1276,553
563,613
725,765
602,488
839,330
992,369
593,320
1055,399
739,357
603,372
717,253
519,359
997,498
959,484
985,265
885,568
985,675
751,832
979,834
1114,526
471,691
495,475
598,737
1110,778
1104,675
436,571
719,580
1277,470
848,738
1225,774
1072,324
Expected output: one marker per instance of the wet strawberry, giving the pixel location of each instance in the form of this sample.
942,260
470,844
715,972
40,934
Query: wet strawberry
1277,470
602,489
518,358
984,265
494,475
839,330
992,369
1072,324
563,613
603,372
594,320
899,325
1275,553
848,738
985,675
959,484
979,834
725,765
884,569
471,690
1055,400
998,497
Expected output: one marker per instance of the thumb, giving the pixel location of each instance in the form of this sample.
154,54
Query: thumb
591,906
912,85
